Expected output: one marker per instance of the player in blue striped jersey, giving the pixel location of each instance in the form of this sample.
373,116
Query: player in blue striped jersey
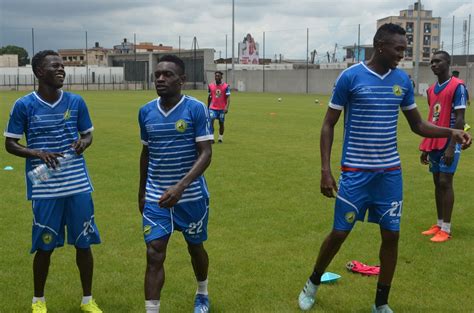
54,123
176,136
371,94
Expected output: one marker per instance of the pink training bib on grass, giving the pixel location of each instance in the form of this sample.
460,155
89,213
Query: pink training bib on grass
361,268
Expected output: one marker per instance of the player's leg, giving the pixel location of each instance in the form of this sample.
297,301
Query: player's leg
192,218
387,212
41,264
221,126
446,194
47,234
438,197
200,262
212,117
349,199
388,261
82,232
155,271
157,228
434,159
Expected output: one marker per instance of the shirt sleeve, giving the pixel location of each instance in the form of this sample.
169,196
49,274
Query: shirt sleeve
341,92
460,97
17,122
202,123
227,91
408,102
84,122
141,122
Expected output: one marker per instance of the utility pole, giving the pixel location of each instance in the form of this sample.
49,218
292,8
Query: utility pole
417,49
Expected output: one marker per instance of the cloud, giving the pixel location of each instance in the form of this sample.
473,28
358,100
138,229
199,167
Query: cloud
63,24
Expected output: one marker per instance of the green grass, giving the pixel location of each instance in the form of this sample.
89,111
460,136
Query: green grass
267,222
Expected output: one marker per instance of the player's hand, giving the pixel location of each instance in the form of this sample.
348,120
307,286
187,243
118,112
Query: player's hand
448,156
171,196
328,184
462,137
424,158
49,158
79,146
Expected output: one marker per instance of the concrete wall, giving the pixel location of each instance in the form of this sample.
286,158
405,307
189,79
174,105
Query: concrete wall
319,80
10,76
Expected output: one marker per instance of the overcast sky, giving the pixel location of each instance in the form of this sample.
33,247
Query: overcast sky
63,24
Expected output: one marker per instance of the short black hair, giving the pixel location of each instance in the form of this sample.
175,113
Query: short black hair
386,30
446,55
218,72
37,60
173,59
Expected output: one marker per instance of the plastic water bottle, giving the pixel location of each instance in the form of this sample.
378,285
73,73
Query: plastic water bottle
42,172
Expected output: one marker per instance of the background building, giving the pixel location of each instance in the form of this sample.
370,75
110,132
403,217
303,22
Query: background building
9,60
77,57
429,31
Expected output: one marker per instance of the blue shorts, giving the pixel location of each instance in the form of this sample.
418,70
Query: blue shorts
217,114
189,217
437,164
51,215
379,192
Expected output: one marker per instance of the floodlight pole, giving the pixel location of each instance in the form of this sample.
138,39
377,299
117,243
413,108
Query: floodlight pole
233,45
307,60
417,55
87,66
33,54
358,45
226,70
467,54
263,63
452,43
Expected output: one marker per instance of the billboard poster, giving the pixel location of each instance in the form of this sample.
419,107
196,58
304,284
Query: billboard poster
248,51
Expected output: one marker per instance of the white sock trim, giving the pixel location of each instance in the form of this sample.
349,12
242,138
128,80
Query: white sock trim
36,299
202,287
152,306
446,227
440,223
86,299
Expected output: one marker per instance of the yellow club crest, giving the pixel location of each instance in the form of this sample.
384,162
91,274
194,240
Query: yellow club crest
397,90
181,126
47,238
147,229
67,114
350,217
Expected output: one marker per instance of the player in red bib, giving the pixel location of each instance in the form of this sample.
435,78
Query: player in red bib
447,99
218,103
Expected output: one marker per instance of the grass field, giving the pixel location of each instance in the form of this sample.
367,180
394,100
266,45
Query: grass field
267,221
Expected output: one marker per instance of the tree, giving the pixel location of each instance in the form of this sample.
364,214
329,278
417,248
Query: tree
21,52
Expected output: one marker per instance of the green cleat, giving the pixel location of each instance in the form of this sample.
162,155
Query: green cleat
39,307
91,307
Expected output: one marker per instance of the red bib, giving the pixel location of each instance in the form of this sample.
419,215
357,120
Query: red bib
440,113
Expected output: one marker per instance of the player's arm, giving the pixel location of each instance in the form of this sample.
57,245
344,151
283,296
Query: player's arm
144,158
13,146
227,94
328,183
83,143
426,129
459,104
209,98
173,194
227,104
